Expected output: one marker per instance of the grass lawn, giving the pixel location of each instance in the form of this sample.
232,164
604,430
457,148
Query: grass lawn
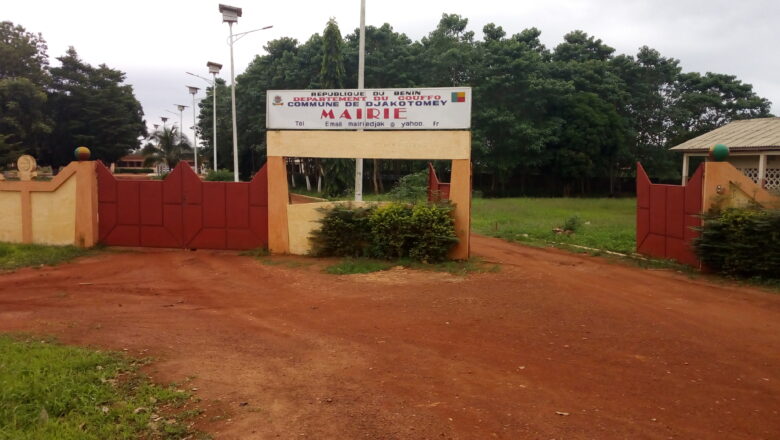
51,391
608,224
15,255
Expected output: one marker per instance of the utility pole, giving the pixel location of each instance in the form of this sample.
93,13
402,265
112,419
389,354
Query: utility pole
361,86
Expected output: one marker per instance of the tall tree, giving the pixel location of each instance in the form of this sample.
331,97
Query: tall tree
514,103
650,80
22,54
338,173
447,56
332,72
590,141
24,123
93,107
390,58
705,102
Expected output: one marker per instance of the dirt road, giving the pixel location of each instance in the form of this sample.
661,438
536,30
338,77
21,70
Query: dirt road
554,346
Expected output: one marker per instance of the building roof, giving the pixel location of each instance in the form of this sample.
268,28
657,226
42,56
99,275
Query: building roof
133,156
747,134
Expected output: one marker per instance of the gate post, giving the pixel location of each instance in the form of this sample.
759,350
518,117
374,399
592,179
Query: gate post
86,204
278,239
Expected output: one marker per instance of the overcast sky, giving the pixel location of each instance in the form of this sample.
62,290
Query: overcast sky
155,42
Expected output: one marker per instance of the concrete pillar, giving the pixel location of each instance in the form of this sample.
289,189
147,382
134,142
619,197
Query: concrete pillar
278,199
685,165
86,204
762,170
460,195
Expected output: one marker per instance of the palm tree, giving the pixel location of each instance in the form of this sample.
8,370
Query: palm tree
167,146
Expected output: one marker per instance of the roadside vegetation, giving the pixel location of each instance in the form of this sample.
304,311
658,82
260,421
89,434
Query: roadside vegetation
15,255
742,243
604,224
52,391
423,232
348,266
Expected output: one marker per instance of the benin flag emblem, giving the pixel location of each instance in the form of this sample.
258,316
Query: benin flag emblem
458,96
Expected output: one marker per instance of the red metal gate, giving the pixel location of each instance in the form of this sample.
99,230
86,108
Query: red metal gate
183,211
436,190
665,216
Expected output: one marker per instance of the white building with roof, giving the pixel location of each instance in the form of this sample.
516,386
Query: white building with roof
754,146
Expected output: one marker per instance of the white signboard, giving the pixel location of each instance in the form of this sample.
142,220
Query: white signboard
370,109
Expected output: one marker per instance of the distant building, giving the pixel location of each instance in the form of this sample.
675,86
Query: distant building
131,161
754,146
135,161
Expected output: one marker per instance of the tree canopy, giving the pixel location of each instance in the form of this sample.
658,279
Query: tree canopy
49,111
547,121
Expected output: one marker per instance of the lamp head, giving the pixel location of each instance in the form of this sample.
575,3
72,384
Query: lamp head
164,119
214,67
181,107
230,14
193,90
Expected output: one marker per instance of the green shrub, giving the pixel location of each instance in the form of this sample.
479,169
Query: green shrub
133,171
572,223
411,188
741,242
423,232
219,176
345,232
391,231
432,232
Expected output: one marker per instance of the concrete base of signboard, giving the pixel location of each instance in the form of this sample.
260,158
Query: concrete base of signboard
440,145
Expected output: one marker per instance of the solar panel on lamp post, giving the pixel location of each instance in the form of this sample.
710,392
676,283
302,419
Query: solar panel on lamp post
230,15
214,69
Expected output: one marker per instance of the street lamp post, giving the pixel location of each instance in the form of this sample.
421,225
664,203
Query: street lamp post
181,127
230,15
193,92
214,69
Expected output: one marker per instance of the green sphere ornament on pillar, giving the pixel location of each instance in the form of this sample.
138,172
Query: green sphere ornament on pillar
82,153
719,152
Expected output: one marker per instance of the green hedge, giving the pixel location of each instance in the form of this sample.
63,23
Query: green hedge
133,171
219,176
741,242
423,232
